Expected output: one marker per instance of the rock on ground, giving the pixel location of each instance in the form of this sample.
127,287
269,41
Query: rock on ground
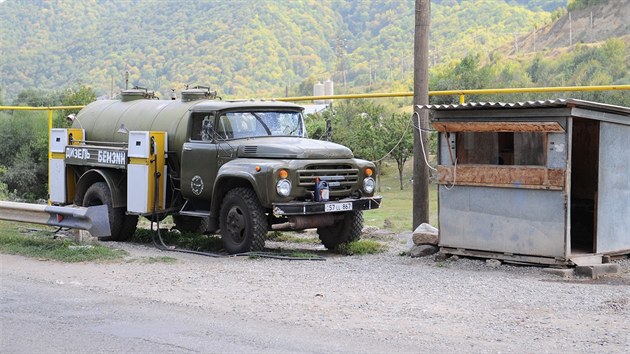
425,234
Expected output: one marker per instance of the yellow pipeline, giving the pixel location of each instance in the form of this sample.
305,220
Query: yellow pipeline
27,108
460,93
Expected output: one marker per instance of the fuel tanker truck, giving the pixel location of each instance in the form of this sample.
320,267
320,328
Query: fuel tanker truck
238,168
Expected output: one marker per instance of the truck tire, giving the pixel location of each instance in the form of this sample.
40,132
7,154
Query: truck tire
242,221
190,224
348,230
122,226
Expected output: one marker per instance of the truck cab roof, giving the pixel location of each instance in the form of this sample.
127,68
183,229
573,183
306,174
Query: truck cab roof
214,105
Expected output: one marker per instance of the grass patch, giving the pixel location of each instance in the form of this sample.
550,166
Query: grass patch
40,244
303,255
361,247
396,212
184,240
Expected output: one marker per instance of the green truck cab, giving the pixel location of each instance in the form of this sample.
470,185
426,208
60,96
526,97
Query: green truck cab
240,168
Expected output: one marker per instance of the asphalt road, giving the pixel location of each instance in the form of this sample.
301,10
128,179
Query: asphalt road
380,303
40,317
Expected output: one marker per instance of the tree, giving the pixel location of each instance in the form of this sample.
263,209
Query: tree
38,98
467,74
24,141
79,96
362,130
23,154
306,86
399,140
316,124
574,5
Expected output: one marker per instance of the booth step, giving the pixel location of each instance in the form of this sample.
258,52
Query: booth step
586,259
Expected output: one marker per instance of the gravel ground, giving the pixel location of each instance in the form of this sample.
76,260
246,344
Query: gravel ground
460,304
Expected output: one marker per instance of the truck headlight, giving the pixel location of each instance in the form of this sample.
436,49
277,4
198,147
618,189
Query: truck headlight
368,185
283,187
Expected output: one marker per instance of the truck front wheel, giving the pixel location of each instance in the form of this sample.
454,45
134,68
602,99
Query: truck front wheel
242,221
122,226
347,230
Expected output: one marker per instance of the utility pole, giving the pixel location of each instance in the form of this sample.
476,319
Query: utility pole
421,117
570,31
590,32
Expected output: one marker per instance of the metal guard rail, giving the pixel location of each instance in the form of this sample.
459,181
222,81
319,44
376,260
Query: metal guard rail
94,219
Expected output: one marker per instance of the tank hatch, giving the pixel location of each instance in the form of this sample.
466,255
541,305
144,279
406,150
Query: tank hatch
198,93
137,93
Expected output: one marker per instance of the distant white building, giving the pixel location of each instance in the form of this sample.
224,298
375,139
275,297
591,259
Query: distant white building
315,108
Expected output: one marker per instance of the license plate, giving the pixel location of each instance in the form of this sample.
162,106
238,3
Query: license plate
332,207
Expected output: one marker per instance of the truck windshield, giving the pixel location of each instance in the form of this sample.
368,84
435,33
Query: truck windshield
237,125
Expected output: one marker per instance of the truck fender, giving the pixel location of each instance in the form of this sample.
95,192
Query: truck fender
229,180
113,180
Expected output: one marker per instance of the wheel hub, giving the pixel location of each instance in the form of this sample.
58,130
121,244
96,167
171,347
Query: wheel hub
236,224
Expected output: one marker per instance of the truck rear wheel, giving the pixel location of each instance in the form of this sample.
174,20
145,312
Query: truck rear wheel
122,226
345,231
242,221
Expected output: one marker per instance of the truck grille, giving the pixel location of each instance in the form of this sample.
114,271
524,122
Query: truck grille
341,178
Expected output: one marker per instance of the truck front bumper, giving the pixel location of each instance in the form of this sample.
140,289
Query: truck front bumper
342,205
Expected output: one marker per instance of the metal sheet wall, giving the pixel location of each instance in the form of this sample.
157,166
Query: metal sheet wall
557,150
511,220
446,144
613,210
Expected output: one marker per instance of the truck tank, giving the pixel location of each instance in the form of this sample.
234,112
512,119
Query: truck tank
136,111
102,119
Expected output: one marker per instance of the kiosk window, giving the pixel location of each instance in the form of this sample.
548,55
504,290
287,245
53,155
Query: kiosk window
498,148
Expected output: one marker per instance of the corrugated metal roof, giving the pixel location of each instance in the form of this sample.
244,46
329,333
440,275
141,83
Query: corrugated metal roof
560,102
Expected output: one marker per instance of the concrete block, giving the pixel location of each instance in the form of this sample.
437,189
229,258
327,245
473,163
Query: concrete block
597,270
83,236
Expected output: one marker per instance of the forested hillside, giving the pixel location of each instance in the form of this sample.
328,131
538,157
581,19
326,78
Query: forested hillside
241,47
248,48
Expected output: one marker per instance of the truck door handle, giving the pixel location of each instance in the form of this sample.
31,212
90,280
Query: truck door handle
186,148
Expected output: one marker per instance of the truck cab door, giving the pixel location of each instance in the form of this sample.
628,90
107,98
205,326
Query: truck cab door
199,158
